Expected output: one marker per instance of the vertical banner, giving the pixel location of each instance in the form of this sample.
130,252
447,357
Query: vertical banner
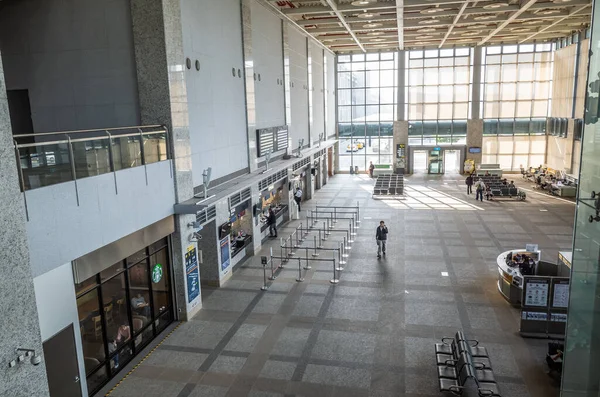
225,259
193,275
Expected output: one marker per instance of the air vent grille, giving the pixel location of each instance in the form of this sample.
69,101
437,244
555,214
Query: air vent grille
276,177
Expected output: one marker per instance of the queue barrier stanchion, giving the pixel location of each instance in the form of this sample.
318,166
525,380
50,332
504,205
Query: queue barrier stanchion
346,245
334,280
358,211
282,256
352,228
273,276
315,254
324,231
329,227
334,215
350,240
264,261
341,260
299,279
343,245
307,266
292,252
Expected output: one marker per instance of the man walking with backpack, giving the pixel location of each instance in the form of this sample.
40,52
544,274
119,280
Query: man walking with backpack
381,237
469,182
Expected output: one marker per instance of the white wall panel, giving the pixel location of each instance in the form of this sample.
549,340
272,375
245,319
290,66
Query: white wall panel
216,101
59,230
267,53
298,91
75,58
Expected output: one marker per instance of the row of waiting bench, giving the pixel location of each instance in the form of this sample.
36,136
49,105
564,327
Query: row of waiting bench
389,185
461,361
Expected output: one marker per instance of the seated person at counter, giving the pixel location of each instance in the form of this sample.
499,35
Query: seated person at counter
504,182
139,305
511,185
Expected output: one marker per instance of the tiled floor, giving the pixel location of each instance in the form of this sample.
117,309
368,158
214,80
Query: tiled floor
373,333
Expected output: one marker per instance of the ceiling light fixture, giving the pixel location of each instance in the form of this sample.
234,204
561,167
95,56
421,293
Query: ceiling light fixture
367,15
561,1
426,30
362,3
471,33
381,45
375,33
497,4
428,21
533,22
372,25
432,10
377,40
484,17
546,12
424,37
520,30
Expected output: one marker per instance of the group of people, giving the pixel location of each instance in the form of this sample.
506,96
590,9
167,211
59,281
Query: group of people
481,189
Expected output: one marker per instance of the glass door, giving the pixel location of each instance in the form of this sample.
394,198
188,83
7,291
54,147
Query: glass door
436,161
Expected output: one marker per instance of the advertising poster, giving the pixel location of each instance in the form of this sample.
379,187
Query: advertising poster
536,293
560,298
400,155
192,273
225,260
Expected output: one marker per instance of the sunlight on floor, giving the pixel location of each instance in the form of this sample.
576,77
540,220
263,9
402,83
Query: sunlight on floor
424,198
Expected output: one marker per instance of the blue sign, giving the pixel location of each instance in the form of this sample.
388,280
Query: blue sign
192,273
225,253
437,149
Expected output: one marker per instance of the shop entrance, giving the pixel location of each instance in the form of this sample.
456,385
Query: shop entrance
419,162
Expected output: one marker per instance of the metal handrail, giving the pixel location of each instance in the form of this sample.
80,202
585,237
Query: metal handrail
137,127
109,134
137,134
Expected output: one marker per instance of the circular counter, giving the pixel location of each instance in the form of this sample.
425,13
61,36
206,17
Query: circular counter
510,279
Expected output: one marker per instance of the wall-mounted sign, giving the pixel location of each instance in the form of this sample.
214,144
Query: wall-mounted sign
560,296
225,257
536,292
192,273
272,139
474,149
157,273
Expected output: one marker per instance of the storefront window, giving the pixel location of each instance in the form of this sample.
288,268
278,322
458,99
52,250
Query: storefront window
90,326
122,309
161,286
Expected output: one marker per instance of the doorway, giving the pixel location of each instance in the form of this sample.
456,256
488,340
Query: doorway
419,162
452,161
62,367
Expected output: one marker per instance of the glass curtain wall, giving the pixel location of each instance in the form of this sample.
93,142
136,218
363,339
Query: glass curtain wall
439,96
517,82
122,309
581,365
367,100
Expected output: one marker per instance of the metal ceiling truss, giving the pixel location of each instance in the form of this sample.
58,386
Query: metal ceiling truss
386,25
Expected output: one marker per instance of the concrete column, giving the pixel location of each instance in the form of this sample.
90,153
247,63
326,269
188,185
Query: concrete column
246,9
401,100
400,138
160,63
476,87
20,325
474,139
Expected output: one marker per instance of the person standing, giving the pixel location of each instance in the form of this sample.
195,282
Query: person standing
469,182
371,169
381,237
272,222
298,197
479,189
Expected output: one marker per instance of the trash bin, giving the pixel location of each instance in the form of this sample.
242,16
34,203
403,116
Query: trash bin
351,170
356,169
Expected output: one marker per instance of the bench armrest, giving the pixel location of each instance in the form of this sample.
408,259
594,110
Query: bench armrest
478,365
456,389
450,361
472,340
447,339
486,392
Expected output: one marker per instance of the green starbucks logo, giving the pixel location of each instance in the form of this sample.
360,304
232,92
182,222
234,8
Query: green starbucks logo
157,273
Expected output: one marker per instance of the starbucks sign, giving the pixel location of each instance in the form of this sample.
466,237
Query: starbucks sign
157,273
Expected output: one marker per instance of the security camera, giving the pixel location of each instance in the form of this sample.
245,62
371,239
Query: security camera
36,359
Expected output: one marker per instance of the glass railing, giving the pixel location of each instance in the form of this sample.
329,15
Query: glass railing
46,159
